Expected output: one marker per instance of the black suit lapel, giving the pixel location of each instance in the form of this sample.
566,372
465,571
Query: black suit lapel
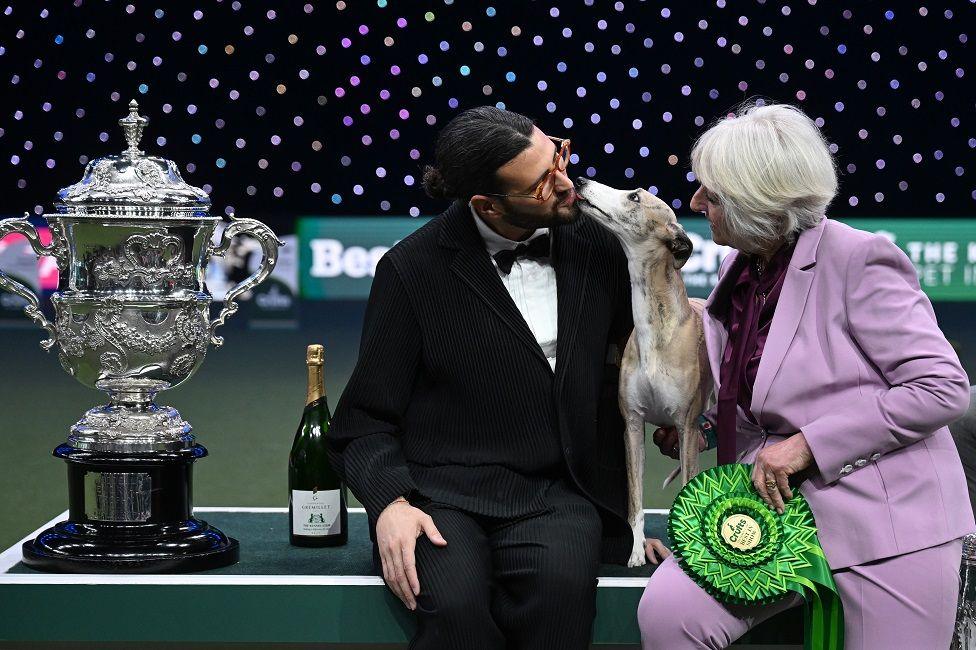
571,258
473,266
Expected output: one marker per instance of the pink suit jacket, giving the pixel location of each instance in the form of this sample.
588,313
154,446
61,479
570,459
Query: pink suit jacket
855,359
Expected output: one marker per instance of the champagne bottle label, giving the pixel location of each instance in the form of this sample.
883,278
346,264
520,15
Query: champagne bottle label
315,512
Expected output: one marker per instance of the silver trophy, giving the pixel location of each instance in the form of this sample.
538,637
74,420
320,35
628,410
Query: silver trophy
132,241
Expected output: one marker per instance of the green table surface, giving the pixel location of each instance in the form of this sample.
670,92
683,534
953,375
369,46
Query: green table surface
276,593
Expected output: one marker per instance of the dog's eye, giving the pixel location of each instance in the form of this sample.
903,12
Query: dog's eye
634,196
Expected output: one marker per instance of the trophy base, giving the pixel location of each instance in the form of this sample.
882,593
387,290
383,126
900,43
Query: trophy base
196,547
130,513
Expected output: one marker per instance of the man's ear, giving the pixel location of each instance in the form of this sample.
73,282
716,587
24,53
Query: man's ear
484,206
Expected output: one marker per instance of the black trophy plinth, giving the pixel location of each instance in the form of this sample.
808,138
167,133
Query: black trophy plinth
130,513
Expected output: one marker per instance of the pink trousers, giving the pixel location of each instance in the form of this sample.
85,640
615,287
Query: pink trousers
907,601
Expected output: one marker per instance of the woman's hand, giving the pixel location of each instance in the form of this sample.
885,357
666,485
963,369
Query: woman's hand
666,439
775,464
654,549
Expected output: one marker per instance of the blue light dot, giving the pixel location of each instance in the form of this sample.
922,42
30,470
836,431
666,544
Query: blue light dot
490,11
633,72
890,15
221,163
644,152
568,123
143,88
561,66
202,49
59,39
336,199
502,51
842,48
465,71
195,138
894,84
509,76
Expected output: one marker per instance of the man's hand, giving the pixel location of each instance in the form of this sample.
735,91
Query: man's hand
775,464
397,530
667,439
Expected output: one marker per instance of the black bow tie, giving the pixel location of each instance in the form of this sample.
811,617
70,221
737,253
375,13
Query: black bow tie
538,247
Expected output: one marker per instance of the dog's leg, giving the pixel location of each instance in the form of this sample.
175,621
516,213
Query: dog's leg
689,436
635,484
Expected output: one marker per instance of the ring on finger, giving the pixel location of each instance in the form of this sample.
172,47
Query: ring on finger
771,485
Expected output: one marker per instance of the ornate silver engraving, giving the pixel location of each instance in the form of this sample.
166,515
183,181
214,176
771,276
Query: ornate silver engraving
153,261
132,241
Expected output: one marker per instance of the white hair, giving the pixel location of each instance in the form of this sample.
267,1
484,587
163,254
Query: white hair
772,172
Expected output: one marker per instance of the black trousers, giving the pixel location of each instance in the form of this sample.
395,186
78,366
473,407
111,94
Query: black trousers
500,584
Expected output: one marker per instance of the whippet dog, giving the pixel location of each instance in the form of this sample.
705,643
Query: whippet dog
664,376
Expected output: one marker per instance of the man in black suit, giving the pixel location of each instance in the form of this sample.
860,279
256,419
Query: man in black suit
480,428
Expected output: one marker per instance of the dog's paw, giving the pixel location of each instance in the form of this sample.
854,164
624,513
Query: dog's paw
637,557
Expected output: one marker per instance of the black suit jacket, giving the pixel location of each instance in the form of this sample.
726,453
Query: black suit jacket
453,399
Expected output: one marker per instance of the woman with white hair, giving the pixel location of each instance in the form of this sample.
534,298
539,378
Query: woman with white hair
832,375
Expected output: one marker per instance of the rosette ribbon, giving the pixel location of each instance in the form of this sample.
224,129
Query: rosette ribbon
740,551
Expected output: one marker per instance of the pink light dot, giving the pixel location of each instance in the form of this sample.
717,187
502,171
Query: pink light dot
404,114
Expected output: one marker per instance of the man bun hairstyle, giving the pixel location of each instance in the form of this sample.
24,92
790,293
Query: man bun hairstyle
470,149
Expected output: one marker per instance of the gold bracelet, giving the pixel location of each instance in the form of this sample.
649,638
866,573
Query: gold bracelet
399,499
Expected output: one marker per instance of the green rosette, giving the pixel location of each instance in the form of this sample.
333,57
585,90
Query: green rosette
742,552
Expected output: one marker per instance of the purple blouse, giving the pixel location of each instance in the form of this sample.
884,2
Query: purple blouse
748,318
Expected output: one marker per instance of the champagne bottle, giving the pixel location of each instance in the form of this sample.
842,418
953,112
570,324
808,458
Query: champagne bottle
316,495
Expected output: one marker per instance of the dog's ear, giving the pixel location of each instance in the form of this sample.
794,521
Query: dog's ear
681,247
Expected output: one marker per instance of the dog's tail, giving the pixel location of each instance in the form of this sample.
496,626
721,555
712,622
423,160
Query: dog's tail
670,477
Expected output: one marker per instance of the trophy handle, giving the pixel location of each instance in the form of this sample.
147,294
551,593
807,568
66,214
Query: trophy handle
33,309
269,246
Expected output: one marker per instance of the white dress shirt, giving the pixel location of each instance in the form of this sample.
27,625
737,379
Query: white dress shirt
532,285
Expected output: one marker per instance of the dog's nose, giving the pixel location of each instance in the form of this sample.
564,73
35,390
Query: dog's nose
580,181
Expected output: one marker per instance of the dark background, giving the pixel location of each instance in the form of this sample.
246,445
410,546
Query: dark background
887,81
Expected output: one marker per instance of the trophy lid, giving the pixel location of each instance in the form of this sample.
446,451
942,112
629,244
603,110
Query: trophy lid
112,183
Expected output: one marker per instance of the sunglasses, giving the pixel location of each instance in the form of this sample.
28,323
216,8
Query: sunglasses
547,185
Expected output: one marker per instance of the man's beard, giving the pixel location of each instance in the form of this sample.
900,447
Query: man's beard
558,216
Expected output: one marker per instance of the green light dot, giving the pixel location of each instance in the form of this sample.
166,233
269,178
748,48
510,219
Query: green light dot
429,16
